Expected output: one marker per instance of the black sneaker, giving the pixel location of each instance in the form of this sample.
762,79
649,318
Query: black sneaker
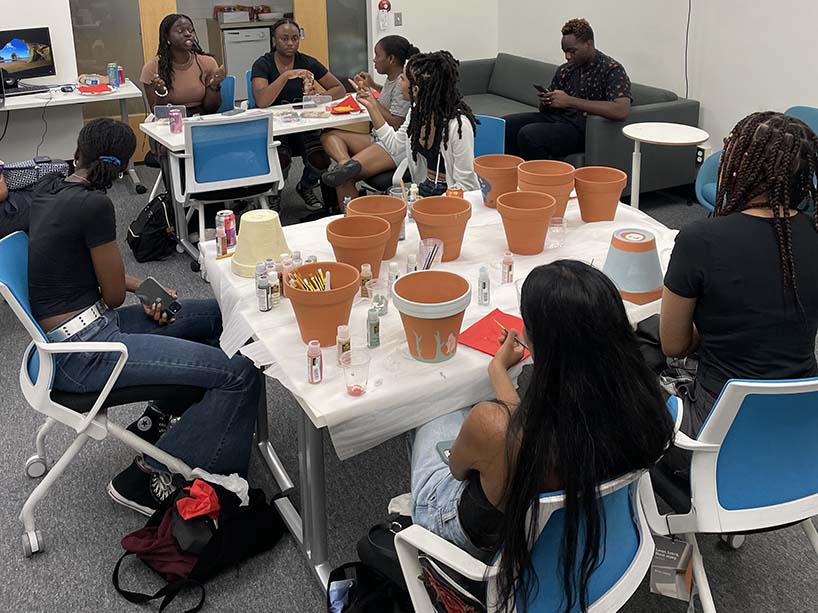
141,489
341,173
152,424
312,201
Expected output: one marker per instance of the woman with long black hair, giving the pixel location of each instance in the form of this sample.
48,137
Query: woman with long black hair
593,411
182,73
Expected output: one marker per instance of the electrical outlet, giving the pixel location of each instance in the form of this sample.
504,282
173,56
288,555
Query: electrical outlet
398,19
703,152
699,155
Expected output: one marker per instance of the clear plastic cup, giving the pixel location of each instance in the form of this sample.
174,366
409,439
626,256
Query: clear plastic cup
356,370
378,290
556,233
425,248
397,192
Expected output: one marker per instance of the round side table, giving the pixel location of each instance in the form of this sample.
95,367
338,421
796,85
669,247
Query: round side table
657,133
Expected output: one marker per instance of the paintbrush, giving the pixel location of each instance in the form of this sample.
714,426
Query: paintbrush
516,340
403,190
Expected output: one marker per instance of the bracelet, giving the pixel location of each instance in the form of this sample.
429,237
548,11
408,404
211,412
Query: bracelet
165,95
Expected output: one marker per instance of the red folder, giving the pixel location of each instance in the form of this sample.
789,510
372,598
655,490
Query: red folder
484,334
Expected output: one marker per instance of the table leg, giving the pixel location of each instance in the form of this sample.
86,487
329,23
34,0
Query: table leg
174,166
313,497
137,183
636,172
265,447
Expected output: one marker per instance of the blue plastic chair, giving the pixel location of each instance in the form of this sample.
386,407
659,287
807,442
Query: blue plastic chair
753,468
707,181
490,136
251,101
626,552
807,114
228,92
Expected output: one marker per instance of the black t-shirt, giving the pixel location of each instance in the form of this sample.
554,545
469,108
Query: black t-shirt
749,325
67,221
293,91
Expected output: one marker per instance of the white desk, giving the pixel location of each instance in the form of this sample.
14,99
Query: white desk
657,133
403,393
54,97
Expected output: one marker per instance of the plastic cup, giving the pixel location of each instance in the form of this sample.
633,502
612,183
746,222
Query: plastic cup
556,233
397,192
356,370
425,248
378,290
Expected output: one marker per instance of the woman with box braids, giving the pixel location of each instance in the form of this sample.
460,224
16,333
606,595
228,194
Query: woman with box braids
741,289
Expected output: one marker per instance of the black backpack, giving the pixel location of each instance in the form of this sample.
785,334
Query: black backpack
152,235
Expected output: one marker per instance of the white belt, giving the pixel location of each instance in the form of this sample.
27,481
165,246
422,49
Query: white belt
77,323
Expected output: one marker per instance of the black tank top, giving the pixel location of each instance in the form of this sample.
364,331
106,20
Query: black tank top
480,519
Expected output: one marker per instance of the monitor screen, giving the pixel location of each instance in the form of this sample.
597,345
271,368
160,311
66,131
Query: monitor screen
26,53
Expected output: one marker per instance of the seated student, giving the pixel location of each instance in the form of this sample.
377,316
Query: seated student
742,286
573,429
589,83
284,76
182,73
75,266
436,140
391,53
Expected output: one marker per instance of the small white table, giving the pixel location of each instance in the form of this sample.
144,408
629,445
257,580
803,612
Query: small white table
56,97
657,133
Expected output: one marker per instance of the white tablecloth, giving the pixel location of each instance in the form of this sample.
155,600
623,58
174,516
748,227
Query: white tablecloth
403,393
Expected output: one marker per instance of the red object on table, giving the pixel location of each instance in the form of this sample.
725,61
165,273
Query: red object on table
203,500
102,88
350,103
483,335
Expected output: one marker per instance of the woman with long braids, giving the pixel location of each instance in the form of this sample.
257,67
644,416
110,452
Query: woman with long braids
742,286
77,285
182,73
593,411
436,140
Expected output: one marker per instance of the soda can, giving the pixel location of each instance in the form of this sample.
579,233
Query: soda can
455,191
120,75
228,217
113,75
175,121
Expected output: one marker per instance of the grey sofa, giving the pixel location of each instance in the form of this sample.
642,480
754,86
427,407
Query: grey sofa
503,85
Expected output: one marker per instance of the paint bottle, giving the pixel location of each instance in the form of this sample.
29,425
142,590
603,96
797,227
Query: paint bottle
402,236
342,342
261,268
393,276
347,200
366,277
414,195
311,259
373,329
263,293
275,290
411,262
508,268
276,269
286,268
315,363
483,287
221,243
297,261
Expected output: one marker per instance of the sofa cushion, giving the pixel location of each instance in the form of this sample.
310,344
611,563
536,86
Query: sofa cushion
496,106
513,77
644,94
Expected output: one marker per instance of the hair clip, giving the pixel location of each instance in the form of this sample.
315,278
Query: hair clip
111,160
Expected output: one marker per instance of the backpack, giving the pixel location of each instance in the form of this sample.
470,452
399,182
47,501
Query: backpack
152,235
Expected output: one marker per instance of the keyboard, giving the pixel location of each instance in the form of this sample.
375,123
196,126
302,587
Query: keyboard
22,89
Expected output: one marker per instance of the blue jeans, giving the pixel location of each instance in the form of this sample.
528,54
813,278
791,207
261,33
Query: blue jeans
435,491
215,433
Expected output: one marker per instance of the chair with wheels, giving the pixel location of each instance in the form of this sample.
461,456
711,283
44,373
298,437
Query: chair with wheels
228,92
251,101
706,181
227,158
86,414
626,552
753,469
490,136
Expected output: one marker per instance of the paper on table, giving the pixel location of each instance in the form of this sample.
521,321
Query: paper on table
237,331
484,334
258,353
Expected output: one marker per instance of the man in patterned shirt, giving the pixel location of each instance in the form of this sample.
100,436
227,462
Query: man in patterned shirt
589,82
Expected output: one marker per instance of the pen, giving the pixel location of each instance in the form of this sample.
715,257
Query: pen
516,340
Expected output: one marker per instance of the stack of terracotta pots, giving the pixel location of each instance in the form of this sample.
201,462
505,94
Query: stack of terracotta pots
389,208
549,177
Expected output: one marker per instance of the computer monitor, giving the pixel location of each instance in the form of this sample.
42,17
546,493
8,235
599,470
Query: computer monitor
26,53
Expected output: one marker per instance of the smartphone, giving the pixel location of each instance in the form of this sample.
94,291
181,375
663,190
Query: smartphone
540,88
233,112
160,111
150,292
444,448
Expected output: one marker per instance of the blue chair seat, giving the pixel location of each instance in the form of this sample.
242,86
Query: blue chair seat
709,191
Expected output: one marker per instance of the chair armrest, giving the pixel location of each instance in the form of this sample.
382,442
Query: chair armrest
647,497
683,441
475,76
92,347
176,180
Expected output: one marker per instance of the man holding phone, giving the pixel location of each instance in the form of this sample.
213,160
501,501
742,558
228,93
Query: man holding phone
590,82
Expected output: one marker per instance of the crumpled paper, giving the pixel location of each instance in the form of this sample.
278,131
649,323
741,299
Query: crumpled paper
232,483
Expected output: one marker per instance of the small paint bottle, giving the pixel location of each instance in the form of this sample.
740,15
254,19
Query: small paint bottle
343,342
414,195
263,293
402,235
366,277
277,270
315,363
508,268
483,287
311,259
373,329
297,261
221,242
393,276
411,262
275,291
261,268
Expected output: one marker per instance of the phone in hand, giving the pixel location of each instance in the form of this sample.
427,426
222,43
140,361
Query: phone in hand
540,88
444,449
150,293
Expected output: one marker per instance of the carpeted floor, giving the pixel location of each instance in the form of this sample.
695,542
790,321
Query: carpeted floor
82,527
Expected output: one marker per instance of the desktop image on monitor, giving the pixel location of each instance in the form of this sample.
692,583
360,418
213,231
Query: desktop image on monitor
26,53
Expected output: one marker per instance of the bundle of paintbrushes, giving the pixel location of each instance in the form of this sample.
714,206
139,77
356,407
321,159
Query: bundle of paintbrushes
430,258
319,282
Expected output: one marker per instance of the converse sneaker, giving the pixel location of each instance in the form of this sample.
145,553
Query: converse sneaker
141,489
152,424
312,201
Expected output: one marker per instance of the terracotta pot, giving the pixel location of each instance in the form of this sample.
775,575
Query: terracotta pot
389,208
445,218
498,175
598,191
431,304
359,239
633,265
320,313
549,177
525,218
